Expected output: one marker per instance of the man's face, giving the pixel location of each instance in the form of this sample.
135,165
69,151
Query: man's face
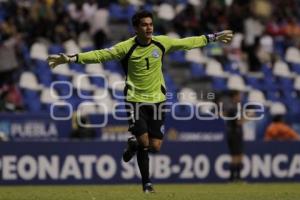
145,28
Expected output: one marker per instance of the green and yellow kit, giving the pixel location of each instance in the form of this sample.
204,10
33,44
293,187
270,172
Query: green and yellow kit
143,64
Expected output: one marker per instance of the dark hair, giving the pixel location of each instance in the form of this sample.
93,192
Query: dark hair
277,118
234,93
135,20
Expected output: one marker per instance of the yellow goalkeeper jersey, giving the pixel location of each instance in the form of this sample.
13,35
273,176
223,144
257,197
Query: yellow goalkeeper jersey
142,64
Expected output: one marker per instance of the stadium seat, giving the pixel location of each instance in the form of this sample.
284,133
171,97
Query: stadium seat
266,43
280,68
104,100
297,83
113,66
219,83
29,81
279,47
295,67
31,100
254,82
269,83
232,68
87,108
277,108
96,68
256,96
166,12
236,82
56,49
83,86
71,47
63,69
116,81
196,56
187,95
177,56
75,67
43,72
38,51
273,95
292,55
49,96
285,83
214,68
267,70
197,70
64,89
184,110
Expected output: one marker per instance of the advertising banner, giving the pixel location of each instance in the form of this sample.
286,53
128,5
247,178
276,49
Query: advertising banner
178,162
107,128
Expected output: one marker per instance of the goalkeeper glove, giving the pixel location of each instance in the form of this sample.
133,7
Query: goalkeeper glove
223,36
59,59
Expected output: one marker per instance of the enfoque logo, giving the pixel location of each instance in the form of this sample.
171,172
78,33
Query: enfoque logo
103,103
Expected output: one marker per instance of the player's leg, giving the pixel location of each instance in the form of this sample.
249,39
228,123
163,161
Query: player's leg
137,126
143,162
156,132
236,151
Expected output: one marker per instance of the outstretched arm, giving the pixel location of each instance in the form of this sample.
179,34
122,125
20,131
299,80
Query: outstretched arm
197,41
114,53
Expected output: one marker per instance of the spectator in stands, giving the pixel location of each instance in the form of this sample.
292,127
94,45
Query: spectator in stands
10,99
8,42
234,134
280,131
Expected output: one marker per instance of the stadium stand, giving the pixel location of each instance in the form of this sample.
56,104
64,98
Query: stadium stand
263,60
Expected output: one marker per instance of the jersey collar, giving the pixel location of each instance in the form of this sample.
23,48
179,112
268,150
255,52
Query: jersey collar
143,45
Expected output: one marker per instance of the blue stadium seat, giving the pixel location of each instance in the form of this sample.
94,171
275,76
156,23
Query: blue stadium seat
85,49
219,83
273,95
63,89
285,83
56,49
267,70
292,105
229,67
177,56
183,110
118,95
113,66
295,68
279,47
197,70
98,81
25,54
31,100
117,12
74,100
77,67
254,82
269,83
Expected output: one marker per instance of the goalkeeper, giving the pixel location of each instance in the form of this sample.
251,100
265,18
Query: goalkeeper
141,57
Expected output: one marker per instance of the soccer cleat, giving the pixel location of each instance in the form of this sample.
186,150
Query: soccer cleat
131,149
148,188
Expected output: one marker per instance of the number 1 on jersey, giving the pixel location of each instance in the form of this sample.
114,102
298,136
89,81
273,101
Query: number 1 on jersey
147,61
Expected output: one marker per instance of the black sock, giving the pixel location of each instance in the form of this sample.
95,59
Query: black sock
239,167
143,162
232,168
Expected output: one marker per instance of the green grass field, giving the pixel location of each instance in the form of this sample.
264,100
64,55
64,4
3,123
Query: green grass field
166,191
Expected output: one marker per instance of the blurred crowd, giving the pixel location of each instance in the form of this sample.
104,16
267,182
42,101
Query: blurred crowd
264,29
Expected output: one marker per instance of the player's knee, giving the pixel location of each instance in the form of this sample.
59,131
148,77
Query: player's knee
154,149
142,147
